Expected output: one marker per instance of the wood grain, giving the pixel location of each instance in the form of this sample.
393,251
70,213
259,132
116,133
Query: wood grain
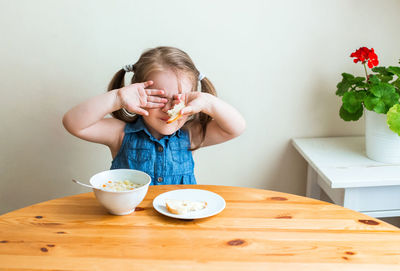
258,229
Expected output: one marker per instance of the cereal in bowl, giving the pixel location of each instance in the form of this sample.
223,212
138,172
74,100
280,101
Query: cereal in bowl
117,186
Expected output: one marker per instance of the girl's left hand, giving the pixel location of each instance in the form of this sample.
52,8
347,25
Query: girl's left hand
195,102
226,122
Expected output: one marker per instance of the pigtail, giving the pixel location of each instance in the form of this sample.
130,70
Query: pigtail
207,86
203,119
118,81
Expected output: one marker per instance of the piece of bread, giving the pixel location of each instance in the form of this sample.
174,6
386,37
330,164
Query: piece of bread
180,207
175,112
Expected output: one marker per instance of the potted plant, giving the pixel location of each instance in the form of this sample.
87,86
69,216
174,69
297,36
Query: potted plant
377,94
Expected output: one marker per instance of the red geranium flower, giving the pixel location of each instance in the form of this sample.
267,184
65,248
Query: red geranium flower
365,55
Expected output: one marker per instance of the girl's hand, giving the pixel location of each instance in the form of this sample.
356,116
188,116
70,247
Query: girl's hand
138,97
226,123
195,102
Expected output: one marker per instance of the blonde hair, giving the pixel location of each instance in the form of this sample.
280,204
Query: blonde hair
160,59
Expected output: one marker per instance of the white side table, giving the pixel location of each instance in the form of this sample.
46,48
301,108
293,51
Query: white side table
339,166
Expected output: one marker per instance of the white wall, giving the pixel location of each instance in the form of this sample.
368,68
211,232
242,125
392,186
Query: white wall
278,62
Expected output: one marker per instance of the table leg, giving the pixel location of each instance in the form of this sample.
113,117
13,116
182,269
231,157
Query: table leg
313,189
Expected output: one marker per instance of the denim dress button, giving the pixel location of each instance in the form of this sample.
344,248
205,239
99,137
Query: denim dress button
160,148
159,179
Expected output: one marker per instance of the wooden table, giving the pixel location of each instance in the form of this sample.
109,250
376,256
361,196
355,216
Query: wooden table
340,167
258,230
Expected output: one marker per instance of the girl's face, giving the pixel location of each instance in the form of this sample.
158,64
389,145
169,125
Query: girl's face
171,84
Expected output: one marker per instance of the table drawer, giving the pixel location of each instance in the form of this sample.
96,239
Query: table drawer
372,198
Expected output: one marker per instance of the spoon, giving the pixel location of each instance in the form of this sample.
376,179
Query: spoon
87,185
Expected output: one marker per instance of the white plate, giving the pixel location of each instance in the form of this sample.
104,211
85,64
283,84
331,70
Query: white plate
215,203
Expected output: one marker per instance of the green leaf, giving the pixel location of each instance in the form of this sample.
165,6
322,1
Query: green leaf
345,84
352,101
382,89
347,116
387,97
382,97
391,99
373,79
384,74
371,101
357,79
347,76
382,70
359,82
396,83
393,118
380,108
342,88
349,83
386,78
394,70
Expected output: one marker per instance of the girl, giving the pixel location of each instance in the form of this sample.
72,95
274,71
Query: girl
139,136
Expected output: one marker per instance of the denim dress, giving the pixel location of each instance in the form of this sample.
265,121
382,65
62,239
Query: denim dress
167,161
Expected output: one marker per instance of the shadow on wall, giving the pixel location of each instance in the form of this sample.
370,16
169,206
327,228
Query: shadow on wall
320,113
324,117
40,170
27,173
290,163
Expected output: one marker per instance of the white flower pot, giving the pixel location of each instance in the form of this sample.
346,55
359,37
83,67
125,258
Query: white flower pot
381,143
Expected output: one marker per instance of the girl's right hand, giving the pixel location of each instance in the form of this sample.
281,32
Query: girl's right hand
136,98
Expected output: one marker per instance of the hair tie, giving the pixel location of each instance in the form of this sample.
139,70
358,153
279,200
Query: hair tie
128,68
129,114
201,76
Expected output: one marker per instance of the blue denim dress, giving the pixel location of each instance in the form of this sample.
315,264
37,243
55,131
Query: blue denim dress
167,161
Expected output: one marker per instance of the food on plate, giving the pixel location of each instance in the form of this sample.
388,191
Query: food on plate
175,112
117,186
180,207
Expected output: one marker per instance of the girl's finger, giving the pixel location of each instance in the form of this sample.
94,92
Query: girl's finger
157,99
175,102
179,97
146,84
138,110
154,105
187,110
154,92
142,112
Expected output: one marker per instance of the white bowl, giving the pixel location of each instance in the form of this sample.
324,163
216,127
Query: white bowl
121,202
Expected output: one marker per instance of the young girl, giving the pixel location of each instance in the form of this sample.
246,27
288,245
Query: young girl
139,136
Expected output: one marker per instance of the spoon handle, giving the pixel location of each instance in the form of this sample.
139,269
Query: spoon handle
78,182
